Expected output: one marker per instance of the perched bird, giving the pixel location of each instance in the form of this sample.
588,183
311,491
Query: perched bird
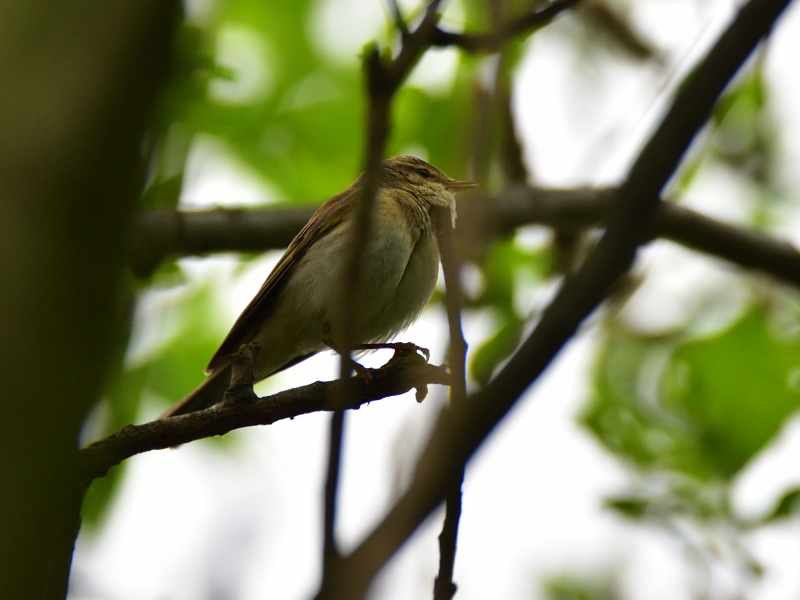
292,315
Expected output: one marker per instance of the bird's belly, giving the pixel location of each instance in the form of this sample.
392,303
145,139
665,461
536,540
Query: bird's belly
389,308
396,279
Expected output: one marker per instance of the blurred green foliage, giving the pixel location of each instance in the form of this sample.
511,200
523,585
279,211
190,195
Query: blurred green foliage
292,113
703,407
787,506
688,413
569,586
745,142
168,371
504,268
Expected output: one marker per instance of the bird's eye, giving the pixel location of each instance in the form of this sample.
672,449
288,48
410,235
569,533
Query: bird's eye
424,172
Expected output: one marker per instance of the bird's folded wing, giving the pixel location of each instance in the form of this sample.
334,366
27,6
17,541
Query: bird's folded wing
249,322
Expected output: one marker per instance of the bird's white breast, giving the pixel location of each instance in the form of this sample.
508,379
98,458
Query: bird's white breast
397,275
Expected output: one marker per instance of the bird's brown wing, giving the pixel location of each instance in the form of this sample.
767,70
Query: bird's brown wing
247,325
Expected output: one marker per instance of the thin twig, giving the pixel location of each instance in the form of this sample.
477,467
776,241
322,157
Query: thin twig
377,134
451,266
383,80
491,42
330,550
444,588
461,430
620,31
413,47
512,159
399,20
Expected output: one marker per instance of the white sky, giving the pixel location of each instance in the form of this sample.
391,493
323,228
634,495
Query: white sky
244,523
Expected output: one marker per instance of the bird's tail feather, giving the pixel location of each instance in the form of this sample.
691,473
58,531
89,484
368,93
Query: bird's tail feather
204,395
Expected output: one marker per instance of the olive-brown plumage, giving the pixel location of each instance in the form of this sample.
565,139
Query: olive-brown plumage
292,315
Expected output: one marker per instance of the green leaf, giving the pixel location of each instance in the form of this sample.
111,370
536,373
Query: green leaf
703,407
633,427
505,268
735,390
504,265
629,506
670,495
121,406
178,367
569,586
788,505
496,349
440,125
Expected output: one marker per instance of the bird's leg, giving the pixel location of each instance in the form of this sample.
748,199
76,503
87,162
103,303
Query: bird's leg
398,347
357,367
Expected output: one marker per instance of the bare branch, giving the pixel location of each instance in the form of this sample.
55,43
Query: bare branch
159,234
479,218
399,20
621,33
740,246
383,81
401,374
491,42
414,45
444,588
330,549
574,210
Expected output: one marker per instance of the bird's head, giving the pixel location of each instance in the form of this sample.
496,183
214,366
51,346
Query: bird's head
424,181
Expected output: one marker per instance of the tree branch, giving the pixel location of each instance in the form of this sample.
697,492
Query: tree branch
330,549
571,211
399,20
383,80
479,218
401,374
744,247
621,33
491,42
159,234
444,588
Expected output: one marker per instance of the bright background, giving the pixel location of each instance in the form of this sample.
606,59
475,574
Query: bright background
241,518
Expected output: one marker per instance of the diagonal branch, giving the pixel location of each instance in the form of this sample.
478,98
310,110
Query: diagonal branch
401,374
462,429
399,20
491,42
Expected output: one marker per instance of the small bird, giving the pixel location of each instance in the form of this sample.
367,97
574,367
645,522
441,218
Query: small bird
292,315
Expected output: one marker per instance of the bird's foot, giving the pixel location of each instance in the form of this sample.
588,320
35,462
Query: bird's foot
361,370
407,354
357,367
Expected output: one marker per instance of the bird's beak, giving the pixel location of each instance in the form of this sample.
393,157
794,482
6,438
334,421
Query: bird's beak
457,186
